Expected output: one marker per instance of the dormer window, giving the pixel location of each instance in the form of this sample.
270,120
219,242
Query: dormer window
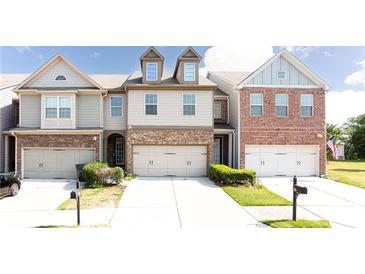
189,72
151,71
281,75
60,78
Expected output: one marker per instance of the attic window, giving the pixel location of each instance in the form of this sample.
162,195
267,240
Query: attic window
281,75
189,72
60,78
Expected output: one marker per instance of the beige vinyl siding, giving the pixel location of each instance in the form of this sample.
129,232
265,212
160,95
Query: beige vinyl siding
7,119
234,113
73,78
88,111
170,109
30,108
114,123
268,76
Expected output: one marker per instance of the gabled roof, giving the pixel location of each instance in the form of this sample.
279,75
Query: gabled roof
234,77
51,62
188,54
292,60
167,79
151,52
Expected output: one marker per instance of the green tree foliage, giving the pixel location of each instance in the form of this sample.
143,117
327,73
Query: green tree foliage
354,131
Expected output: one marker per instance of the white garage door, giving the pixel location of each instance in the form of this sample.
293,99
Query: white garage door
170,160
282,160
54,163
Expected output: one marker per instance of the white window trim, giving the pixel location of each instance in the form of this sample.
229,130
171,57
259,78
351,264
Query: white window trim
287,106
122,107
194,72
144,109
312,105
219,102
57,120
188,104
156,76
277,75
262,104
122,150
58,107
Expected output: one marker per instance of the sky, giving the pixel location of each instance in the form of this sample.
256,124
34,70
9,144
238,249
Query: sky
343,68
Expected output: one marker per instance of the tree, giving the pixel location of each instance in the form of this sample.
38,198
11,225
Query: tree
354,130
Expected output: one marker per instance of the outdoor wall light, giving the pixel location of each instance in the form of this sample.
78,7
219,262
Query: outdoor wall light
319,135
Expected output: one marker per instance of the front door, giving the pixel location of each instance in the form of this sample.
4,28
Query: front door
218,150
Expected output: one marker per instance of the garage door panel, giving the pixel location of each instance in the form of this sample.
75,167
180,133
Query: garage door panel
300,160
287,164
54,163
169,160
158,160
141,171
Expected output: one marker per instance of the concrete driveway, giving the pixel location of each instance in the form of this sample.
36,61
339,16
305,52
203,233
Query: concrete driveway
170,202
342,204
36,200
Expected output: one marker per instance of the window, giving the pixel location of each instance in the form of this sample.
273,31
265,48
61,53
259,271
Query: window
51,107
150,104
189,72
281,75
60,78
65,107
217,110
151,71
189,104
256,104
281,105
58,107
306,105
116,106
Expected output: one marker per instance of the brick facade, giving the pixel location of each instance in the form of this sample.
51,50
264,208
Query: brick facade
56,141
292,130
224,111
168,137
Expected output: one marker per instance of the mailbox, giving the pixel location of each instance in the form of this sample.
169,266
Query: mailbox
74,194
301,189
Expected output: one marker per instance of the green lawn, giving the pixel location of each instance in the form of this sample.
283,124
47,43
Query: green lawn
297,224
257,195
347,172
107,196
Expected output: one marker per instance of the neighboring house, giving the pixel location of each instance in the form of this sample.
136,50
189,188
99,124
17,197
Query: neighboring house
278,112
152,123
8,119
158,123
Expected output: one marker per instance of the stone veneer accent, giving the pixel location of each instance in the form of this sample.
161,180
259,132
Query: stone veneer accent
146,136
292,130
57,141
224,111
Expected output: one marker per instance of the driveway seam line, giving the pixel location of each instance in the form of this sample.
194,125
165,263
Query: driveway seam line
177,206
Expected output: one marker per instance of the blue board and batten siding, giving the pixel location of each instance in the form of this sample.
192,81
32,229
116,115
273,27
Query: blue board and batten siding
268,76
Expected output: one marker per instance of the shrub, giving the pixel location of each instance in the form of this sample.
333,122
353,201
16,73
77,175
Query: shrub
117,174
227,175
89,172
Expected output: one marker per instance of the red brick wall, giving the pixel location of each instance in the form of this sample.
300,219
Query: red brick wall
292,130
224,111
50,141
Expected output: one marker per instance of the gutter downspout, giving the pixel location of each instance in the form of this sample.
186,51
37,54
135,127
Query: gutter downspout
16,153
101,134
238,127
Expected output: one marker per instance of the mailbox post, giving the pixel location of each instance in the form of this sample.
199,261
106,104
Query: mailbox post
296,191
76,195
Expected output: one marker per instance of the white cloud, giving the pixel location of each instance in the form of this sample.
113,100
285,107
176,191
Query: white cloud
302,51
238,58
327,54
94,55
358,77
341,105
24,49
